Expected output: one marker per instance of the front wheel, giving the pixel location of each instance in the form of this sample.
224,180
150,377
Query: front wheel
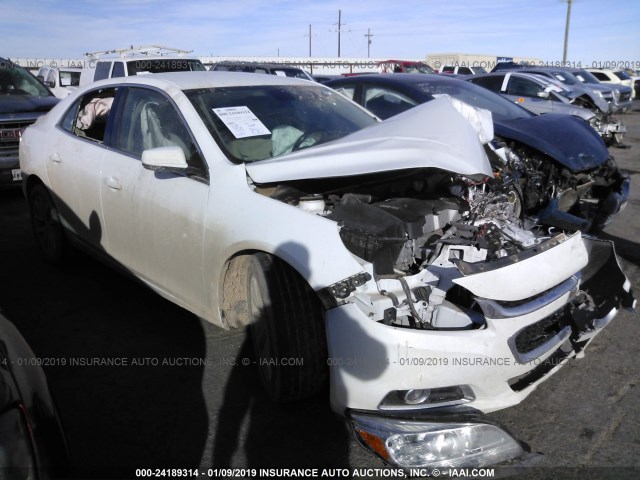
286,324
45,222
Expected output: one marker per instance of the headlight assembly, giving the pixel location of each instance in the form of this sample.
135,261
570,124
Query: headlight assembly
416,444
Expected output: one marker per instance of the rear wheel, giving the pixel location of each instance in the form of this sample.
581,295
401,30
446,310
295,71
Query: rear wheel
286,324
45,222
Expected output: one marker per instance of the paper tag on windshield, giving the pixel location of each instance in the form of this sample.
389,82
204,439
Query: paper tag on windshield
241,121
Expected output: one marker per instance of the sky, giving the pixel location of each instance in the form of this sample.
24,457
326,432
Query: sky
600,30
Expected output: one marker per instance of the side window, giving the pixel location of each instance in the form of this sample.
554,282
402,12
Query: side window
118,70
448,69
348,91
493,83
601,76
386,103
102,71
92,114
465,71
69,119
523,87
149,120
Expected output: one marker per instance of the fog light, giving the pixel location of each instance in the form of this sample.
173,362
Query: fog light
413,397
427,398
411,443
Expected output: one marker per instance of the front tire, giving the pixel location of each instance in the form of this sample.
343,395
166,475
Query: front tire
45,221
286,325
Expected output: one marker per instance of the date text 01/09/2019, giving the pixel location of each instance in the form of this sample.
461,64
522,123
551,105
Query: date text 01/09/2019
270,472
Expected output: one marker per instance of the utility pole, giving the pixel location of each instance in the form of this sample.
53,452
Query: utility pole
309,40
368,35
339,29
566,32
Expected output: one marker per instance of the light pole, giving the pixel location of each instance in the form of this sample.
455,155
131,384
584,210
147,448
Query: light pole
566,32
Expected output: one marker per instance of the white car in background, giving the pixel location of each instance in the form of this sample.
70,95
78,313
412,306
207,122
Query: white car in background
614,77
383,255
61,80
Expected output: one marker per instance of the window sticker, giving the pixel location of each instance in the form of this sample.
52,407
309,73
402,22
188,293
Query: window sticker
241,121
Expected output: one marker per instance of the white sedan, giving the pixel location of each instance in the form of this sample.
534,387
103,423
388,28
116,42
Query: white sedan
384,257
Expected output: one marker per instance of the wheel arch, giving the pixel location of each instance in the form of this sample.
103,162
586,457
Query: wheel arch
31,181
229,279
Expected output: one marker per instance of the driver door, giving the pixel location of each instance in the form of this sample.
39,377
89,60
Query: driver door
155,220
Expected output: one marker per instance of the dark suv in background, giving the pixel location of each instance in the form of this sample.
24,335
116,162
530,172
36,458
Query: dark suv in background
267,68
22,100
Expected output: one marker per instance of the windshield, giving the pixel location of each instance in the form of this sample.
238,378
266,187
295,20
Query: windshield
15,80
622,75
586,77
253,123
292,72
164,65
418,68
501,108
565,77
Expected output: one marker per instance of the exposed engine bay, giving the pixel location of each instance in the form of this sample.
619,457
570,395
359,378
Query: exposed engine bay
552,194
413,228
399,224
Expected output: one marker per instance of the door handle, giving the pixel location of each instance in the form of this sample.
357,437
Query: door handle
55,157
113,182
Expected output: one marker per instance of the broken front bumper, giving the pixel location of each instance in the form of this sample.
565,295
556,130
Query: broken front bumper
415,397
381,368
598,213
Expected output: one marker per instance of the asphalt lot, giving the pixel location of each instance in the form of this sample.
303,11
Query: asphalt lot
183,414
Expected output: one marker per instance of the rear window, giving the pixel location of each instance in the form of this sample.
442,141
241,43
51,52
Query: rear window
102,71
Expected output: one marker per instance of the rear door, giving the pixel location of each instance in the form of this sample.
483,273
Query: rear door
77,147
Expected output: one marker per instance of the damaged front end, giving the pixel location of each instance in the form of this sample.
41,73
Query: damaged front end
609,128
568,182
462,305
458,309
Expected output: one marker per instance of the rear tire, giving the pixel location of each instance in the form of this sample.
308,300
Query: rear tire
45,221
286,325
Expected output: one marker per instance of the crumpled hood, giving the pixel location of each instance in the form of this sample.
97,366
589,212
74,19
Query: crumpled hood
26,103
567,139
431,135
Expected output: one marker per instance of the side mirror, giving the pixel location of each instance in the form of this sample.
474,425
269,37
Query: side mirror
50,84
543,94
164,158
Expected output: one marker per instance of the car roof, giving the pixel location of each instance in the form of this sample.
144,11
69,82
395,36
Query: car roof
529,75
239,63
396,78
138,57
193,80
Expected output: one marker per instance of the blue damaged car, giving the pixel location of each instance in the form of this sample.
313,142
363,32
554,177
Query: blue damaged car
554,168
